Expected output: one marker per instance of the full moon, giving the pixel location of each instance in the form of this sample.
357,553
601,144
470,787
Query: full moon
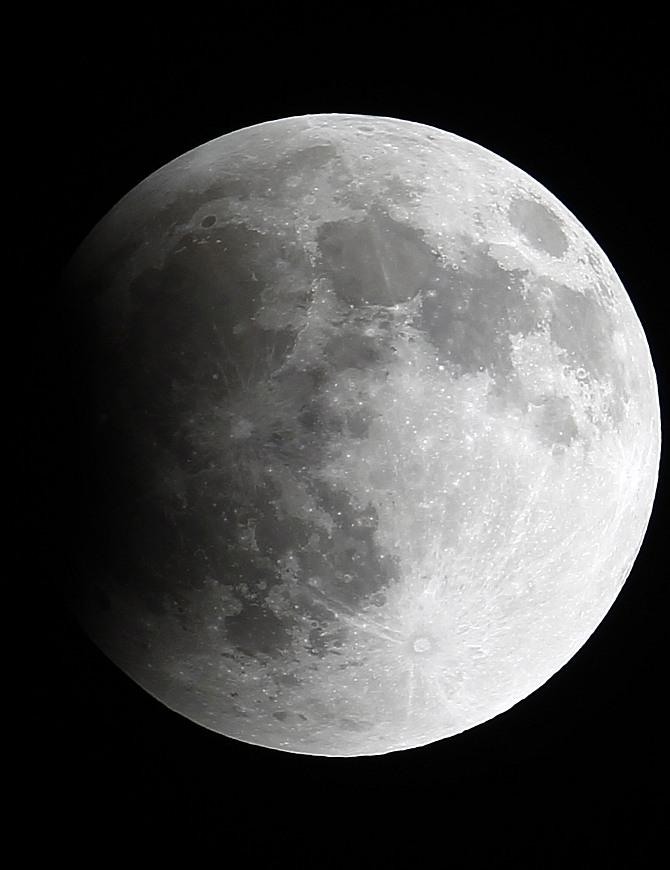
374,434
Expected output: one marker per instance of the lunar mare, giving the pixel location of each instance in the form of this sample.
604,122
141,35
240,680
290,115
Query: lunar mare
377,434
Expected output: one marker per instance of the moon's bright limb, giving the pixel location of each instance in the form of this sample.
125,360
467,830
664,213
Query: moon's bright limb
379,430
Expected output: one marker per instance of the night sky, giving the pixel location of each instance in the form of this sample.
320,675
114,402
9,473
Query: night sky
567,778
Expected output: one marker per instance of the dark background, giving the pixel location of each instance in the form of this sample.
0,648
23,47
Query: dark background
570,777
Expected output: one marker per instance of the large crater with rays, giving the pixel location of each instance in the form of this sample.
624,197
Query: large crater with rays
374,434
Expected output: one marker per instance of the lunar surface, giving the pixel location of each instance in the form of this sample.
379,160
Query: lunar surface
376,434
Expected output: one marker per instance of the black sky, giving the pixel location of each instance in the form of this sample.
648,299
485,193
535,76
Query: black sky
568,778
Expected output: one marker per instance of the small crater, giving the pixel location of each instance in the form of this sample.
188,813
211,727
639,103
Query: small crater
422,645
209,221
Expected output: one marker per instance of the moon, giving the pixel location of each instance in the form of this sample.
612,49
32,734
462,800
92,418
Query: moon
374,434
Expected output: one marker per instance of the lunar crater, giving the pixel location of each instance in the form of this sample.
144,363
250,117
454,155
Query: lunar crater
539,226
422,645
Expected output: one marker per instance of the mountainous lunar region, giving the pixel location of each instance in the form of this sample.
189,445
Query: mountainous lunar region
374,434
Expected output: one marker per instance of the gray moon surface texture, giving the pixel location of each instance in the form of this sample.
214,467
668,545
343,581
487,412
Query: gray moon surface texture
382,428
